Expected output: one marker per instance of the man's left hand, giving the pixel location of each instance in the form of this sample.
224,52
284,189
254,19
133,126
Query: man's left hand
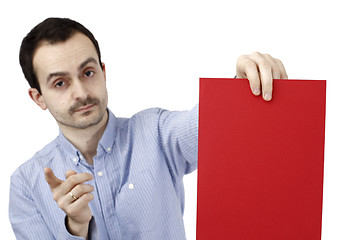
260,69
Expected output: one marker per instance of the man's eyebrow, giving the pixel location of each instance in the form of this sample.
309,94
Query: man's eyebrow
56,74
62,74
86,62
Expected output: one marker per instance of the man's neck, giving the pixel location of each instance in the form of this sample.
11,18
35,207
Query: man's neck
86,140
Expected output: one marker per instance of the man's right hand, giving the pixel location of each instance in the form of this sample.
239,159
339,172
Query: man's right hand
73,197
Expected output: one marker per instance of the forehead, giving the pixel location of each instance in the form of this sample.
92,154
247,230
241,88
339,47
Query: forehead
63,56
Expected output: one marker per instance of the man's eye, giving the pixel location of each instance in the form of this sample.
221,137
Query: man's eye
59,84
89,73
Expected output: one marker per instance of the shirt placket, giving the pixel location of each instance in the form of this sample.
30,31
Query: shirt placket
105,196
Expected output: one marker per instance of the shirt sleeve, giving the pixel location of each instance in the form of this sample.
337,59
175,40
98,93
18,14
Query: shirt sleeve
92,234
27,221
178,133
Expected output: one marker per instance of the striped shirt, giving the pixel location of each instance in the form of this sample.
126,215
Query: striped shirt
138,179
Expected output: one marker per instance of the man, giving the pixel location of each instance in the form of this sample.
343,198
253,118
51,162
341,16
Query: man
105,177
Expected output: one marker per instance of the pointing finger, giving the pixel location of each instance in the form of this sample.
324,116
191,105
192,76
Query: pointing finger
51,179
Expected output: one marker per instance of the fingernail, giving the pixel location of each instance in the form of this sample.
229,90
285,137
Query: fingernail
267,96
256,91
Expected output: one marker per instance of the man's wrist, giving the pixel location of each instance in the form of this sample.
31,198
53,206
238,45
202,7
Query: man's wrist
77,229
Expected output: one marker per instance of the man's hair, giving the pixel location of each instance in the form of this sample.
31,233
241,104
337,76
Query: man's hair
52,30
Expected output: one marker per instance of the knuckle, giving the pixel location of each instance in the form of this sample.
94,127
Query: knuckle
242,58
91,196
275,69
249,64
266,55
265,64
55,196
241,61
60,204
79,189
72,179
278,61
88,176
88,197
255,53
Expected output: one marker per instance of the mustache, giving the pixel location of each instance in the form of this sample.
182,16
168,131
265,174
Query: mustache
87,101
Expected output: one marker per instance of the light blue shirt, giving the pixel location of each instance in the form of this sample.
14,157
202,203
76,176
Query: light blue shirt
138,178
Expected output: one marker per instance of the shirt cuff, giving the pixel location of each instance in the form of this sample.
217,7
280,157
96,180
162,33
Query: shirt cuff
92,234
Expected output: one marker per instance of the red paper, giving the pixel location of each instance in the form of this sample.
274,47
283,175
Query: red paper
260,169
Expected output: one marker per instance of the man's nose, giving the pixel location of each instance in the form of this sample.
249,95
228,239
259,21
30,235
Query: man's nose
79,90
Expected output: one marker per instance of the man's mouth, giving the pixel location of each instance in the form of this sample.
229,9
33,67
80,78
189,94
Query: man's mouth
85,108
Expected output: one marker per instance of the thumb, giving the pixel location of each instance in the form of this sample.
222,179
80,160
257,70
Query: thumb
51,179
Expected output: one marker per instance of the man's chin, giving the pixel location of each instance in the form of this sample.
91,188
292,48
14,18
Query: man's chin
85,121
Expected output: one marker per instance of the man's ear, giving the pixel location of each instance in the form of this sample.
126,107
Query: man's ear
37,98
104,70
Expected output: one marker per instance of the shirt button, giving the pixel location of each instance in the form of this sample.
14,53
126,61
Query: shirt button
100,173
109,149
131,186
75,160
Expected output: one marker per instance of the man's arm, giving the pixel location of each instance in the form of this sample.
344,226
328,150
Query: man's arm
27,222
178,131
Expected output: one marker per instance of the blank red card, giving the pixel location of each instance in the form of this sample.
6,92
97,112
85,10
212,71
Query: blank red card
260,167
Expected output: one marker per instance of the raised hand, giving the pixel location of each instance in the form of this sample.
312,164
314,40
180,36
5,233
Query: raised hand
73,197
260,69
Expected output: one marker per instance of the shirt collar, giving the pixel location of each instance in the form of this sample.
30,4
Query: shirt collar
108,138
105,144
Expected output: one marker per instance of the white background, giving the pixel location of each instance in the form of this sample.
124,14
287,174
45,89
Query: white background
155,52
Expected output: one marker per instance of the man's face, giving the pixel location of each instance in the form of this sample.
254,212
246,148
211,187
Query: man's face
72,82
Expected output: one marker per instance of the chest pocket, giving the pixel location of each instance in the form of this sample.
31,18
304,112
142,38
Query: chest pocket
139,202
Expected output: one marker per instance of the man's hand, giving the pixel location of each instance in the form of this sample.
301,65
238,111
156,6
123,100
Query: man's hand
73,197
260,69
